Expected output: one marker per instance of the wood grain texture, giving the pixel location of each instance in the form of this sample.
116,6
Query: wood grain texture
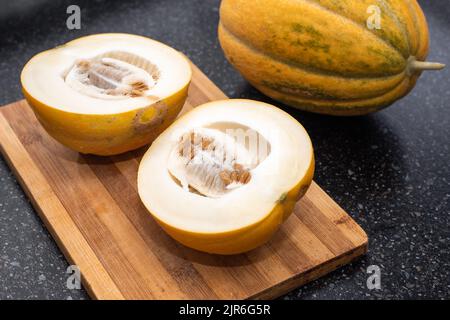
91,207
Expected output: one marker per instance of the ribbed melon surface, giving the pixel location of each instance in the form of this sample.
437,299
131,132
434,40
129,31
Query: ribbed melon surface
320,55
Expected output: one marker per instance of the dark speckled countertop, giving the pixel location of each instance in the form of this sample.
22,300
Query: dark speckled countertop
389,170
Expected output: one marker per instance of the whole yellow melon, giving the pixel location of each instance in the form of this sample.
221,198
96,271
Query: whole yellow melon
347,57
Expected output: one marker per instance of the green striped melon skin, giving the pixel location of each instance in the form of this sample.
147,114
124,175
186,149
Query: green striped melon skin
320,56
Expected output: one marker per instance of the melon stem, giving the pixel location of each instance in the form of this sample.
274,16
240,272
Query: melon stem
418,66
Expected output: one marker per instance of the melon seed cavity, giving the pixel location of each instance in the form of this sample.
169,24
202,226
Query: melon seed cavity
115,75
211,163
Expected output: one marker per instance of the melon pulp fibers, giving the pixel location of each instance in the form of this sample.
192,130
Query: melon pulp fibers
320,55
223,177
107,94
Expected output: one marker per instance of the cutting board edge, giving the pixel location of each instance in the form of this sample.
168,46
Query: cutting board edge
74,258
312,274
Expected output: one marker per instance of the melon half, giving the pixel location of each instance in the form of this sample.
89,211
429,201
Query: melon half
108,93
223,177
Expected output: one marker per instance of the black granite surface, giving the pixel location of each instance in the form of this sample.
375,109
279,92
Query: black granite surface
389,170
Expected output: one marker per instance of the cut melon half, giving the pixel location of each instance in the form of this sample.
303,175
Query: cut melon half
106,94
223,177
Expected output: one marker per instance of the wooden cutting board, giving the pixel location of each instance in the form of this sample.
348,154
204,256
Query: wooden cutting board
91,207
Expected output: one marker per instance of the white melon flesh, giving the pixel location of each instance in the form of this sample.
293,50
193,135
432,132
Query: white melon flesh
105,74
185,191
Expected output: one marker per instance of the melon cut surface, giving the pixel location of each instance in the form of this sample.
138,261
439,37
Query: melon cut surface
223,177
107,93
